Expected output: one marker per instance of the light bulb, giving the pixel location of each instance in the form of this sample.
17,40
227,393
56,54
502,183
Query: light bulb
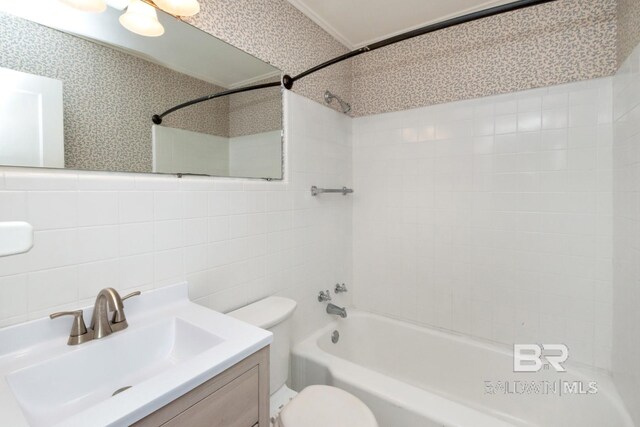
141,18
95,6
179,7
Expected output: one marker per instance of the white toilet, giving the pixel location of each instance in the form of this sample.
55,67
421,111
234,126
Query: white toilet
315,406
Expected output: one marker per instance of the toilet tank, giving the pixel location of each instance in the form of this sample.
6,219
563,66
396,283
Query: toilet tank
273,314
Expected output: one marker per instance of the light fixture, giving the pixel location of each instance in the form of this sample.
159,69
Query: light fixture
95,6
141,16
142,19
179,7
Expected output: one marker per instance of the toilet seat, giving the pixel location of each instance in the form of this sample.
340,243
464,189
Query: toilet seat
325,406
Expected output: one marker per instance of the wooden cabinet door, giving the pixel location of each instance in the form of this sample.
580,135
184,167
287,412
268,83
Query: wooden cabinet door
238,397
234,405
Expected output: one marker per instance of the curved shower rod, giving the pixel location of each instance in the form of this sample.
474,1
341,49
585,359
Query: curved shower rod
288,81
157,118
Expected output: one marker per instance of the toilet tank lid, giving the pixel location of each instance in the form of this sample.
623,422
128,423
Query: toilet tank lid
266,313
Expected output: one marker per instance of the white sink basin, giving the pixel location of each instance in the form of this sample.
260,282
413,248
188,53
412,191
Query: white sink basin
63,386
170,347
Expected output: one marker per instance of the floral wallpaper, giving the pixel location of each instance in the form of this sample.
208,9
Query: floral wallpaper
554,43
278,33
256,111
559,42
628,28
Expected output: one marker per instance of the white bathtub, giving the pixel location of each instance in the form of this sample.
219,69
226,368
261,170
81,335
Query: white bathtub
412,376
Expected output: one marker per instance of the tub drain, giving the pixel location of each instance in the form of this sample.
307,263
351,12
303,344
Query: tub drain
335,337
120,390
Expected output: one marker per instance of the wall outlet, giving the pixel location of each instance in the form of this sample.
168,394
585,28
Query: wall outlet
15,238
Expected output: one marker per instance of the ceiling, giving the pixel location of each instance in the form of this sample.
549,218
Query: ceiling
357,23
182,47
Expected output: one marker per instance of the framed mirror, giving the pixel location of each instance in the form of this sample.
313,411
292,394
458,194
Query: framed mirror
78,91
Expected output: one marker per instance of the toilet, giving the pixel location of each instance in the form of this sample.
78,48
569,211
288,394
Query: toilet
315,406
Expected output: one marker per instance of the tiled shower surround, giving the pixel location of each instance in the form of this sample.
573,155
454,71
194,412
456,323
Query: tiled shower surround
235,241
491,217
626,207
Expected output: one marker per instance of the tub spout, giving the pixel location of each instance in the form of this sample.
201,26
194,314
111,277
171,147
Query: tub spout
339,311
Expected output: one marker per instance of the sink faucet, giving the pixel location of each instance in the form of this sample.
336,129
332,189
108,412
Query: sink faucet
108,300
334,309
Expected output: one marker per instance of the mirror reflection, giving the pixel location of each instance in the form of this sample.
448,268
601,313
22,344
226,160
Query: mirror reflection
78,91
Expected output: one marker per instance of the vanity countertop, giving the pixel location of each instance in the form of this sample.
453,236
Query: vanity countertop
171,346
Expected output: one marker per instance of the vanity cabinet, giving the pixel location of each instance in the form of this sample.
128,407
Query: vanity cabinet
238,397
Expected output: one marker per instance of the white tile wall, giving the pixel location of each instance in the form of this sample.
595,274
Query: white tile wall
491,217
626,295
235,241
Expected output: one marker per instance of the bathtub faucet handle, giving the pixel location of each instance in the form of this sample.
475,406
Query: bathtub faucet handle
340,288
324,296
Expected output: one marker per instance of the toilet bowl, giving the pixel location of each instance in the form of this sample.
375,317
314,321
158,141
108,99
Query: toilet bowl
325,406
315,406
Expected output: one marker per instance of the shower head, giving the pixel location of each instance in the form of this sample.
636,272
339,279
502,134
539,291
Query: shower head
329,97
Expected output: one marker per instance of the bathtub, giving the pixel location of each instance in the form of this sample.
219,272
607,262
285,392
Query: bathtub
412,376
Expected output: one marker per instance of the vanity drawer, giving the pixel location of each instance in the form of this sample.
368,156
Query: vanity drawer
234,405
238,397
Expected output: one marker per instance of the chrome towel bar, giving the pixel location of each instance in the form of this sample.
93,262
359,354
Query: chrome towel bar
344,190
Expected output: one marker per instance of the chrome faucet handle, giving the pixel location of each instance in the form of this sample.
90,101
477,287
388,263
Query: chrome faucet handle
340,288
79,333
324,296
119,320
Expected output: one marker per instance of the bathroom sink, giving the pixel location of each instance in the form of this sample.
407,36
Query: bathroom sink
171,346
58,388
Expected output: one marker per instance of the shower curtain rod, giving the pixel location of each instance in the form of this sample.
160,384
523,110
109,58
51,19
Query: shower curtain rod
288,81
157,118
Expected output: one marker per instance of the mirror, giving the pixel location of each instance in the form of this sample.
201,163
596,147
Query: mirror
78,91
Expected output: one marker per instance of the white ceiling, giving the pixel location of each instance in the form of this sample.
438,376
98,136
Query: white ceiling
357,23
182,47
